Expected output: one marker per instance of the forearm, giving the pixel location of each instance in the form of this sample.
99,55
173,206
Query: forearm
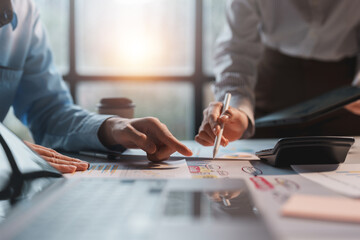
238,51
242,96
69,128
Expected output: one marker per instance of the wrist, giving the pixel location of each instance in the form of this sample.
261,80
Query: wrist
105,133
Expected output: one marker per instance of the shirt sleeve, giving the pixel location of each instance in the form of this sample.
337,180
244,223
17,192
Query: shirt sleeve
238,50
43,101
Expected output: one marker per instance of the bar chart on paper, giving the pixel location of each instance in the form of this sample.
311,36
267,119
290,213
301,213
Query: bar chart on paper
136,169
218,169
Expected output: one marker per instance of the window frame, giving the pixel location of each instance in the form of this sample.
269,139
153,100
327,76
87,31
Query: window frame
198,79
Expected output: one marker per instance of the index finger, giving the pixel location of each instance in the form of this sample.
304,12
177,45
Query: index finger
168,139
178,146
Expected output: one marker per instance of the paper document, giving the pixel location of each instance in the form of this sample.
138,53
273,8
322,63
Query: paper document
219,169
323,208
231,152
343,178
238,150
136,169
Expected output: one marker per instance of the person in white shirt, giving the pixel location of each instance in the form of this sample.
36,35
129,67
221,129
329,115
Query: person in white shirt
273,54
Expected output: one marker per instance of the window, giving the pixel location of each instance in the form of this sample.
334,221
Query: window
214,20
146,37
55,17
172,102
156,52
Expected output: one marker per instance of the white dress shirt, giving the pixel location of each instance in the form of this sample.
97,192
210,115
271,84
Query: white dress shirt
325,30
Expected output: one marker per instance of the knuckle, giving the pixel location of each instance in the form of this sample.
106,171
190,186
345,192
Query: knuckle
153,120
163,126
215,104
202,135
203,126
213,117
128,129
142,138
208,129
198,138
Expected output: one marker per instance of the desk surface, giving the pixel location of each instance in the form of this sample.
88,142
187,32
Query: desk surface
273,186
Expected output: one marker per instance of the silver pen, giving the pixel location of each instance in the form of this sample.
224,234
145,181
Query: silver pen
219,136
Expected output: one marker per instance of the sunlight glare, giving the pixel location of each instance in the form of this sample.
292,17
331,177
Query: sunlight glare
139,48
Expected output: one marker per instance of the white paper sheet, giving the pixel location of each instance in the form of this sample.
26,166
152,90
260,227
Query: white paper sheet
238,150
222,169
136,169
343,178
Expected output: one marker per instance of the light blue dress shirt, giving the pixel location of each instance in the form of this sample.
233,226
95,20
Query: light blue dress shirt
30,83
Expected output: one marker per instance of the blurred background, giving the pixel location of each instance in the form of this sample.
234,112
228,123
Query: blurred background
156,52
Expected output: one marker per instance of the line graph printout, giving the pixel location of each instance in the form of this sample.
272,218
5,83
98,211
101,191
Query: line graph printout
343,178
136,169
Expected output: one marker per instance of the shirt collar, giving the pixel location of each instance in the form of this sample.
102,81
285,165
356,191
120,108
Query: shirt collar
14,21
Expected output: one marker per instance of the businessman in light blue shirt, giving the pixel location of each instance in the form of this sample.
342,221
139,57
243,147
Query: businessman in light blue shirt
30,83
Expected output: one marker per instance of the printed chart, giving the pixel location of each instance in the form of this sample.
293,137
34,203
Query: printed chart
217,169
238,150
139,169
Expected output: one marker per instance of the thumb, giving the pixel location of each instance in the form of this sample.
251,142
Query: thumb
225,117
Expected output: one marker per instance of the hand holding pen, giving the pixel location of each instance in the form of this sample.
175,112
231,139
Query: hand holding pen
235,123
221,131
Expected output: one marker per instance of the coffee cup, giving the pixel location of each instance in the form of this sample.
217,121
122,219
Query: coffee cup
122,107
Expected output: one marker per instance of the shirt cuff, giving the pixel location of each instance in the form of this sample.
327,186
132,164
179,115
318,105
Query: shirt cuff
356,81
246,107
241,88
94,123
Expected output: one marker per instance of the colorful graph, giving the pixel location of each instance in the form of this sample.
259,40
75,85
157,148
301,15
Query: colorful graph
141,169
206,169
